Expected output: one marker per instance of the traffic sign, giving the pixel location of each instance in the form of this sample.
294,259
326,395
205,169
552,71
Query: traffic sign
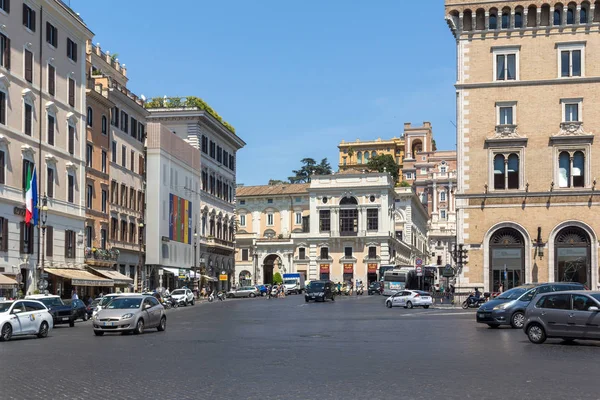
419,261
448,271
419,270
43,284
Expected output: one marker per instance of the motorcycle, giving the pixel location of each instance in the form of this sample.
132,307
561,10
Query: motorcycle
359,290
473,303
221,296
211,297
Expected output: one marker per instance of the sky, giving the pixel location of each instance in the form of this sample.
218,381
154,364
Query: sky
294,78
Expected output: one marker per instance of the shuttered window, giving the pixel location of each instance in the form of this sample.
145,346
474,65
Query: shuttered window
51,80
71,92
26,238
51,130
69,244
28,117
71,139
50,182
2,108
2,168
28,17
4,51
71,50
28,66
49,241
71,188
3,234
51,34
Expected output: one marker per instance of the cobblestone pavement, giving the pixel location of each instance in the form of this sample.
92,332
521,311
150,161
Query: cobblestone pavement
288,349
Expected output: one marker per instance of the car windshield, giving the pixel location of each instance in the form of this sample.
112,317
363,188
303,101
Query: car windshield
289,282
512,294
124,302
107,299
596,296
51,301
317,286
373,284
176,292
5,306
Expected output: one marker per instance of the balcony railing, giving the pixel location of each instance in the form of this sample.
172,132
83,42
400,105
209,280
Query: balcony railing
212,241
93,253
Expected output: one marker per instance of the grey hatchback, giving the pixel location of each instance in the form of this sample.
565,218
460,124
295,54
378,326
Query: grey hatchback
130,314
567,315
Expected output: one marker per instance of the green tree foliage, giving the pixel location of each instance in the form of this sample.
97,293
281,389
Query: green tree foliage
277,278
273,182
310,168
384,162
404,184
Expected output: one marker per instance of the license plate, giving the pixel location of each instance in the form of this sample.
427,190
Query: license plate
481,315
312,296
108,324
65,318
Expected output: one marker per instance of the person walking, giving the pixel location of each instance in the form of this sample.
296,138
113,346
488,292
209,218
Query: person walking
74,295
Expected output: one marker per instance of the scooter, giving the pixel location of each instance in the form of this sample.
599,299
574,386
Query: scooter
473,303
359,290
221,296
211,297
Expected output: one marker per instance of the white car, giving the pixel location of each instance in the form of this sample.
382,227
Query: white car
409,299
183,296
24,317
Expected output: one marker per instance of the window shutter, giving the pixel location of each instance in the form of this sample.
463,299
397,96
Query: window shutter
48,30
21,237
71,140
74,51
28,66
7,54
7,6
51,77
32,20
67,240
2,168
49,241
71,92
28,112
25,14
5,234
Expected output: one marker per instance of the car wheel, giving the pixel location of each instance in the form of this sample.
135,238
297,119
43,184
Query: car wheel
252,295
493,326
193,301
425,307
388,304
162,325
517,320
6,332
263,294
43,330
306,300
139,327
536,334
98,333
409,304
85,317
72,322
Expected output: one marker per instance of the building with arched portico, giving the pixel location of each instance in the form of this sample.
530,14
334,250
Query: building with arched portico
527,84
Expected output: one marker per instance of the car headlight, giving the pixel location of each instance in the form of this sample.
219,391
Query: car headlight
95,317
127,316
503,306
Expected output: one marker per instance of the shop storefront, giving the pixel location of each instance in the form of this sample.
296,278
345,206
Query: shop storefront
121,282
349,272
324,272
63,281
8,287
372,272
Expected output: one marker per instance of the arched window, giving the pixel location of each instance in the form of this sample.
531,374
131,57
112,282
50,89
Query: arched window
499,172
493,20
367,154
359,159
583,16
531,16
442,196
505,19
104,124
373,154
467,21
557,16
480,19
545,16
90,116
507,264
570,16
348,201
564,169
513,171
578,169
572,249
518,19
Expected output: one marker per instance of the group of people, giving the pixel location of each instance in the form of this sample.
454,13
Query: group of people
278,288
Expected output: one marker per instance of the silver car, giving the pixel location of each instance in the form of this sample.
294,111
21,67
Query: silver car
568,315
244,291
130,314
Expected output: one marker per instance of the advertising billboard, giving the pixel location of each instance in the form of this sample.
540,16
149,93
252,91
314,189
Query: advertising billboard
180,219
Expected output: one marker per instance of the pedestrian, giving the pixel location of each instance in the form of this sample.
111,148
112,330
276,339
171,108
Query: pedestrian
501,288
74,295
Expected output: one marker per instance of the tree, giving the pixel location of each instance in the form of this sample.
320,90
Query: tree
404,184
384,163
277,278
273,182
309,168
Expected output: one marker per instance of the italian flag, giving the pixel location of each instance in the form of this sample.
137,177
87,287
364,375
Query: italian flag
31,214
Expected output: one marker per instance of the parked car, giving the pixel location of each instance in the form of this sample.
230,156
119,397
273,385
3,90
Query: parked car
78,309
409,299
104,300
568,315
130,314
244,291
509,307
92,306
375,287
319,291
24,317
183,297
262,289
61,312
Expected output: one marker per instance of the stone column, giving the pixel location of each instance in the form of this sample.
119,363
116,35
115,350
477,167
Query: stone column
577,15
460,21
511,25
434,196
525,19
538,17
487,20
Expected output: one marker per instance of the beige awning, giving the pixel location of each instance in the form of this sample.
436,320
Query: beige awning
80,277
7,283
117,277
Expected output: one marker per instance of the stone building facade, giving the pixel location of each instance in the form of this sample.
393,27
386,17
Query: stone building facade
527,88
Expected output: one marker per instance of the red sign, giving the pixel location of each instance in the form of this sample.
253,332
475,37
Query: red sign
324,268
372,267
348,268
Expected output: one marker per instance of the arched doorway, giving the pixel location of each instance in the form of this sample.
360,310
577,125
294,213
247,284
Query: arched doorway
245,278
417,147
507,259
573,259
268,266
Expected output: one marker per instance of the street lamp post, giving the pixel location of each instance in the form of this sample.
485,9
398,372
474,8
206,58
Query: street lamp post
195,269
44,218
255,265
141,241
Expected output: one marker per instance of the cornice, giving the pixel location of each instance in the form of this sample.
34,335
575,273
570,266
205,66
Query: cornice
535,82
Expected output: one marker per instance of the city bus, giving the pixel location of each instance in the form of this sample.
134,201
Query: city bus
395,280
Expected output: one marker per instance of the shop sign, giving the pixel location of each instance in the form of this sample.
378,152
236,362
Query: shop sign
348,268
372,267
324,268
19,211
90,282
182,274
223,277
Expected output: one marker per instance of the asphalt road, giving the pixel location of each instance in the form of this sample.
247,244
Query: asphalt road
287,349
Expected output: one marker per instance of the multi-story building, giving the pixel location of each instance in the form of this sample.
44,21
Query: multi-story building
199,125
353,155
173,231
340,227
126,168
527,86
42,126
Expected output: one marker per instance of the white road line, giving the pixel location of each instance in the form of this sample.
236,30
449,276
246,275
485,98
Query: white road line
436,314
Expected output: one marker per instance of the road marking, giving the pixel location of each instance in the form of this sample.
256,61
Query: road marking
436,314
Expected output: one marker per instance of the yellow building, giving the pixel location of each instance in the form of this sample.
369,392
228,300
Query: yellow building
355,154
527,90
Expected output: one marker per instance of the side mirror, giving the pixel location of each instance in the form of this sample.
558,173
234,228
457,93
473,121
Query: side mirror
147,306
593,308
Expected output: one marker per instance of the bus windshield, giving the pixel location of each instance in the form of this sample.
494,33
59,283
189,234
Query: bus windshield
393,281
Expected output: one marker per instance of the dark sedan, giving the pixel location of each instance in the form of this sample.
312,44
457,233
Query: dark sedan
79,309
375,287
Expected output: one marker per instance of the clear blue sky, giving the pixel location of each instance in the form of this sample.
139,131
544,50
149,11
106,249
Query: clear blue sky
293,77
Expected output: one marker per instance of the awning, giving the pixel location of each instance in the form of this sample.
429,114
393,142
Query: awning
174,271
117,277
80,277
7,283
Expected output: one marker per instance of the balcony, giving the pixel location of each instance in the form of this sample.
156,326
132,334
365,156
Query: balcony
219,244
348,233
97,256
571,128
506,131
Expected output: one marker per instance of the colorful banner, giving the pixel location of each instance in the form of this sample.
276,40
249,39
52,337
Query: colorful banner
348,268
324,268
223,277
372,267
180,219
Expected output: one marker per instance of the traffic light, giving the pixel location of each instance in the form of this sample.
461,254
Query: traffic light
460,256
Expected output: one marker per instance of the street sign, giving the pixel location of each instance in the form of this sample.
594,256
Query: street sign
419,261
45,275
448,271
43,284
419,270
223,277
